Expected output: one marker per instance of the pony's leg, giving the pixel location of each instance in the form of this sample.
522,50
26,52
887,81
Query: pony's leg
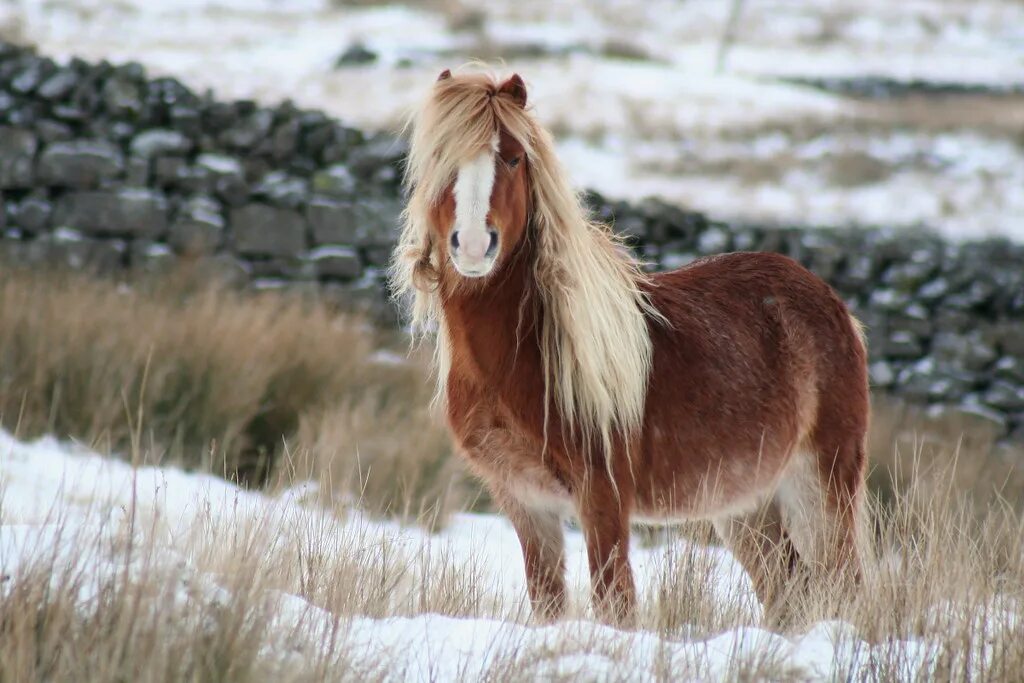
820,500
760,543
543,543
604,516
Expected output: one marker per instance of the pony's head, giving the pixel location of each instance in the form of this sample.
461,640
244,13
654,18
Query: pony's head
482,213
468,175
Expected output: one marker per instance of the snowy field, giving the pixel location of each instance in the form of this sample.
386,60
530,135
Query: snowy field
102,521
634,90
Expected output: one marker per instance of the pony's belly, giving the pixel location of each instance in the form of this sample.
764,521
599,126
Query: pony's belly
732,486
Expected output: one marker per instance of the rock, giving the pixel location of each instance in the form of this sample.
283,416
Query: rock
355,55
59,85
382,220
198,226
824,254
949,320
746,239
860,271
31,76
1010,368
282,189
335,181
339,263
122,97
379,255
263,230
80,164
334,222
977,295
49,131
225,268
151,257
907,276
17,155
1009,336
366,223
283,268
32,214
284,141
915,318
933,290
342,141
160,142
382,150
713,241
889,300
1004,396
133,212
68,248
245,134
136,172
903,345
225,177
881,374
969,351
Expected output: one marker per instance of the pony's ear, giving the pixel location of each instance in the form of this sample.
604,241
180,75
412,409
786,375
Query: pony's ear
445,75
514,88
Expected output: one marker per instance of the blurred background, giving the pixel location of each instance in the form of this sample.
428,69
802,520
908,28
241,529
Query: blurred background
864,112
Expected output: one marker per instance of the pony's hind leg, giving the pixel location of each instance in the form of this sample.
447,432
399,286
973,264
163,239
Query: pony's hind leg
819,500
543,543
760,543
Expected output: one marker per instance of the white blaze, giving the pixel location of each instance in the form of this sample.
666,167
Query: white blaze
473,187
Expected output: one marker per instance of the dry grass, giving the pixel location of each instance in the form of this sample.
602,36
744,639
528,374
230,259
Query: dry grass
200,365
224,381
945,572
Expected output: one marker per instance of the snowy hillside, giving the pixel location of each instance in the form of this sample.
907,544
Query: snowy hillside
635,93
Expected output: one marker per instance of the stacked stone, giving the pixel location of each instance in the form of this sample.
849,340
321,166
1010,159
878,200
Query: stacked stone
102,168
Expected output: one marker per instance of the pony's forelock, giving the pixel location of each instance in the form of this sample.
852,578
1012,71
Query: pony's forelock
595,345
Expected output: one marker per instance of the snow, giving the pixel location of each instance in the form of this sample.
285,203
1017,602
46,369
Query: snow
671,124
54,494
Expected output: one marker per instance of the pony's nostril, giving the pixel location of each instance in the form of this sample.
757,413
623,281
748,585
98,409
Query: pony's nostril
492,246
455,240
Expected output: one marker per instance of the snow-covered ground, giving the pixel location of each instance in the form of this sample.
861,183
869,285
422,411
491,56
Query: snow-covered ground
634,92
60,501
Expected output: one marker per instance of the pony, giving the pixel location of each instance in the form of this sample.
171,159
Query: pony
733,389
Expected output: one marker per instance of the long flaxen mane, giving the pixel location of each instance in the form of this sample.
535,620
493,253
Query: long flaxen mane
595,345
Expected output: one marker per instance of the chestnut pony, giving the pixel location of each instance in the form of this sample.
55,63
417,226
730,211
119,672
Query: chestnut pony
733,389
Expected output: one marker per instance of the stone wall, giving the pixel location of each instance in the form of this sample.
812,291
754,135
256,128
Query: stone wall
102,168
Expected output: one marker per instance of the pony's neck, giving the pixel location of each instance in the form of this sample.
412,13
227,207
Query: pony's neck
493,331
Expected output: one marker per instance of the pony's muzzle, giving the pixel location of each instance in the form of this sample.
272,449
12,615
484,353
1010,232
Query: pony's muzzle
473,251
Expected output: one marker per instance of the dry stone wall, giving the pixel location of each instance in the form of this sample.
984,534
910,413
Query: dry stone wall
103,168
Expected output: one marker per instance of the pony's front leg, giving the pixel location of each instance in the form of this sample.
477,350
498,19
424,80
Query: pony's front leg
543,543
604,516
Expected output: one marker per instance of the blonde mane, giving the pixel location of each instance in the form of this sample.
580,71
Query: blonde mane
595,345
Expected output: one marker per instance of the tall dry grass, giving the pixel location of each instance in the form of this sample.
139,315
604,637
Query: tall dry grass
942,571
168,370
226,381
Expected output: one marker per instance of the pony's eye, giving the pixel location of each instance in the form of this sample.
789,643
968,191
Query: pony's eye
513,162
